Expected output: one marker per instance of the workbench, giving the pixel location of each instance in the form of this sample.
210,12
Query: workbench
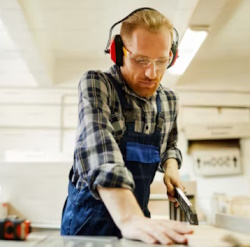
204,236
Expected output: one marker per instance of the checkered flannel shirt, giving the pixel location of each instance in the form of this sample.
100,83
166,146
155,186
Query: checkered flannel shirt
97,157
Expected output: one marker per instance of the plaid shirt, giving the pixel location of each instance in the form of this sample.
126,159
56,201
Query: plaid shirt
97,157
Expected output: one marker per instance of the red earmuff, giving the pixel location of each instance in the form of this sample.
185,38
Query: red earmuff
174,58
116,51
174,49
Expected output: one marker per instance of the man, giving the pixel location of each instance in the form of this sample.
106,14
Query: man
127,130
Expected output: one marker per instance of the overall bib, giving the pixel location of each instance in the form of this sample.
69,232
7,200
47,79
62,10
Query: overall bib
82,213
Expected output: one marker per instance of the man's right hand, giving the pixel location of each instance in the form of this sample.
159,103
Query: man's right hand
129,218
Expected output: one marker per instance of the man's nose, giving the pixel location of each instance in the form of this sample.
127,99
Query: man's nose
150,71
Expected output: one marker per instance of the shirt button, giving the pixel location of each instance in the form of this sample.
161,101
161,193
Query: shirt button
146,127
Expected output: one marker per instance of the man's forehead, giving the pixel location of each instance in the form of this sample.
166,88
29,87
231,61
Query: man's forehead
141,30
146,43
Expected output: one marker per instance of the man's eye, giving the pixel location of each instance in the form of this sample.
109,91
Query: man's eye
141,61
164,61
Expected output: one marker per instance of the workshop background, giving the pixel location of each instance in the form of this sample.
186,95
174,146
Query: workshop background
46,46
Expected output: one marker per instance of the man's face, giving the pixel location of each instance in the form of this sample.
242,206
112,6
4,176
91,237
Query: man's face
143,46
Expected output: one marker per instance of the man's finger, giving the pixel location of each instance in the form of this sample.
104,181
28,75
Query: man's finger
170,188
183,188
181,228
171,198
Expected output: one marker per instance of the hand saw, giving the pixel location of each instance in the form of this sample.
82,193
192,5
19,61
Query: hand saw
186,206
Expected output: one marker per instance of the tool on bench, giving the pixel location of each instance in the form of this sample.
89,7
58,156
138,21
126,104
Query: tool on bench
12,228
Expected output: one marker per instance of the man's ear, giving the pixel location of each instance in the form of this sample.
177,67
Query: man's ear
171,56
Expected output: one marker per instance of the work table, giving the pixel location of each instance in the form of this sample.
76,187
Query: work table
204,236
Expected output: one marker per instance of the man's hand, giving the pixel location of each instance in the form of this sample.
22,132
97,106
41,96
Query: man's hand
129,218
155,231
172,179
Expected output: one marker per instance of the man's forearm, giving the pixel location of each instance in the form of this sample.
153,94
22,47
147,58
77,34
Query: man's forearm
121,204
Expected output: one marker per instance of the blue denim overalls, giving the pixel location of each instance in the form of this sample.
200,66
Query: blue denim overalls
82,213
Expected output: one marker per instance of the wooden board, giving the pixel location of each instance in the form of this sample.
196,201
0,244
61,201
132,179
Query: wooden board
207,236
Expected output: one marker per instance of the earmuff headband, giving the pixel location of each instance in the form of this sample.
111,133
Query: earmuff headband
125,18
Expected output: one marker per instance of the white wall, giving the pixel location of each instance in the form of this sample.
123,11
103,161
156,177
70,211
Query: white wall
35,190
38,119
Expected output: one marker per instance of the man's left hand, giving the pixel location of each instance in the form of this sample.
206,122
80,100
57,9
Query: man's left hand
172,179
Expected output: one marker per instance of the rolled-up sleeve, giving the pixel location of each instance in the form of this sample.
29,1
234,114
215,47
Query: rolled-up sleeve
97,157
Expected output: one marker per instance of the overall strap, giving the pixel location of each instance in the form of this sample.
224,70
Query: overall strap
160,118
126,107
119,91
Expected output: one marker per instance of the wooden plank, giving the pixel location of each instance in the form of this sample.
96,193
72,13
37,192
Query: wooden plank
210,236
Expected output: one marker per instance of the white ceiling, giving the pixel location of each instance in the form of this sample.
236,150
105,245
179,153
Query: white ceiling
53,42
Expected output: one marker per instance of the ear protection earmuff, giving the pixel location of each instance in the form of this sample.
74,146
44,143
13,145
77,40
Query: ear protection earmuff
114,46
